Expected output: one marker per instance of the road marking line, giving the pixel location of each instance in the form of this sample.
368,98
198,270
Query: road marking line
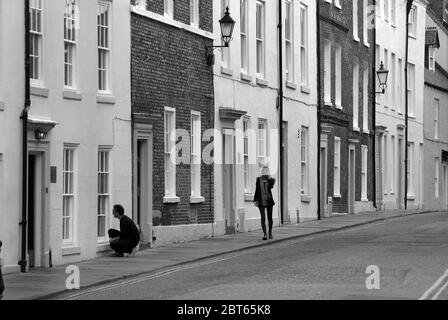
434,286
150,277
440,291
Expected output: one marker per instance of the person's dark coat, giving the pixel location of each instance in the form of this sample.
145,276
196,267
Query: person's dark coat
2,284
257,196
128,230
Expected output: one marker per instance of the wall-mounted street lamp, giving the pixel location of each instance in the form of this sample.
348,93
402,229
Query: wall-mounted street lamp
227,24
382,77
40,135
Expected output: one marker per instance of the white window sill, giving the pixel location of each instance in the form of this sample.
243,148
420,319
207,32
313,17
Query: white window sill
366,131
226,71
171,199
305,199
305,89
366,44
339,107
411,116
412,197
291,85
39,91
338,6
105,98
262,82
194,200
364,200
70,251
246,77
328,103
356,38
71,94
413,36
337,196
356,129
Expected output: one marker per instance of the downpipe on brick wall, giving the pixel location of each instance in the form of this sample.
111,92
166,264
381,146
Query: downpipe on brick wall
318,113
280,107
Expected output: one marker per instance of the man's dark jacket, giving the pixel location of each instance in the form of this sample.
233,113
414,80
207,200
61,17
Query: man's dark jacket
128,230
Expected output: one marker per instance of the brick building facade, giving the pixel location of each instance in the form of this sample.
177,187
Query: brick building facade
346,44
169,71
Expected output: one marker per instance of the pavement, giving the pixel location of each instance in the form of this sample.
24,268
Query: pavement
49,283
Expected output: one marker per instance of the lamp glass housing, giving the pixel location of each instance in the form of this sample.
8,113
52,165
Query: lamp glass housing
382,76
227,24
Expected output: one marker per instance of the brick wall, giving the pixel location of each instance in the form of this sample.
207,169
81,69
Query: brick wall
169,68
337,26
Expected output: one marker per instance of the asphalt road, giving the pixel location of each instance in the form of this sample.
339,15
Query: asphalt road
410,253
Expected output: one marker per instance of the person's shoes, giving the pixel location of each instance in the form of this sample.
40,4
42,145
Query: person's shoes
265,237
117,255
270,236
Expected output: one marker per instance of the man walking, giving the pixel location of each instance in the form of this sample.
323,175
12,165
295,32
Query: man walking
127,239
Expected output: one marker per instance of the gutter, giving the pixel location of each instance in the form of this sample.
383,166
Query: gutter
24,117
319,104
374,115
280,107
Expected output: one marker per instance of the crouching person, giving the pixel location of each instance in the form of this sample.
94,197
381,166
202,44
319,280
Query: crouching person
127,239
2,285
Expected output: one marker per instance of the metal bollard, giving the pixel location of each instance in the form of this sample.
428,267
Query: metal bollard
2,284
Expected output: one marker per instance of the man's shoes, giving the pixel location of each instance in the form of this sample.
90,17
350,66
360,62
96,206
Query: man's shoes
270,236
117,255
265,237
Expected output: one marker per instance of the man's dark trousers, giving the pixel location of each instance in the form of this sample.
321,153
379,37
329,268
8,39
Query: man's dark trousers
119,245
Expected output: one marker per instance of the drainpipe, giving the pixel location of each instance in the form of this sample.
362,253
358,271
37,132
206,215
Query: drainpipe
319,103
24,118
374,114
406,118
280,104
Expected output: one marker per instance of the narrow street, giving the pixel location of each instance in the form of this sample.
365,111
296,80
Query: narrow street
410,252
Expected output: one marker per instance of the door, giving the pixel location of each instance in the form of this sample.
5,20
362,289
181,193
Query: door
35,207
445,186
351,181
400,175
229,180
284,168
379,170
323,180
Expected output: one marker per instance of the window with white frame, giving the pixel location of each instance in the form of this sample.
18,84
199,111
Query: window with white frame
327,72
393,11
194,13
304,44
355,20
244,41
337,4
365,22
304,147
196,154
386,66
170,152
68,195
392,81
364,173
262,142
431,58
70,39
289,50
385,153
413,21
410,169
338,76
260,38
337,167
36,34
356,96
365,100
168,8
246,154
104,20
411,89
141,4
377,64
225,51
103,193
400,85
393,173
436,118
436,177
386,10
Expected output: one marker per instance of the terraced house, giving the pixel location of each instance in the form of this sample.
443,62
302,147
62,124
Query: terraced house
77,143
346,104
